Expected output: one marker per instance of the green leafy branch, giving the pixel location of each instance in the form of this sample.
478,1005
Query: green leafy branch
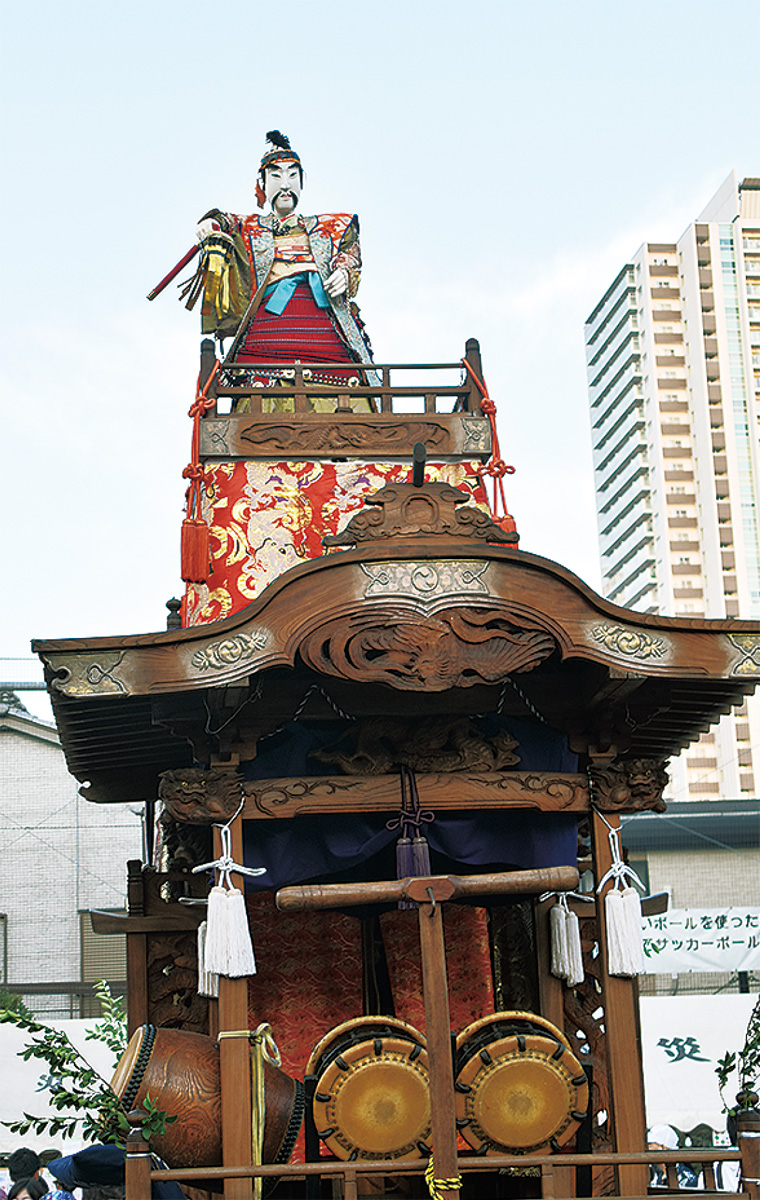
746,1063
72,1083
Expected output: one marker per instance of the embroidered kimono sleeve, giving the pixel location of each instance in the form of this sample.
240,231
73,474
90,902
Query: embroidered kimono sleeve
349,256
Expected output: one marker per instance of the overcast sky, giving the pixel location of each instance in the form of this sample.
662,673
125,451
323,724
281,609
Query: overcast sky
505,160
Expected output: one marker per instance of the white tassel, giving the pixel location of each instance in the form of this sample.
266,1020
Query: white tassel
241,960
623,958
558,941
576,973
216,952
622,911
229,950
208,983
634,938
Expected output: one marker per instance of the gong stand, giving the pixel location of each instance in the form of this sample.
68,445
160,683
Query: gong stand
429,892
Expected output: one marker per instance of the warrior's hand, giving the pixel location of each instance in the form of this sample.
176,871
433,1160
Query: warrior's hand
337,283
206,227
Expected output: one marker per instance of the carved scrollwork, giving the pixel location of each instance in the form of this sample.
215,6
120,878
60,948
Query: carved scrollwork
629,786
402,510
228,652
342,435
631,642
458,648
200,797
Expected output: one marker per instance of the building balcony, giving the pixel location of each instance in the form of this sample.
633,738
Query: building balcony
670,360
657,270
709,324
688,593
705,277
675,429
682,522
676,452
686,569
666,314
710,345
684,499
675,385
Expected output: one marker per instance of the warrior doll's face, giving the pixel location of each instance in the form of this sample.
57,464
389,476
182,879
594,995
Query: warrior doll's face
282,186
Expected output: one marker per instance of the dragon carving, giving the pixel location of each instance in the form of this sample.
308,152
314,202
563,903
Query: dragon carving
381,746
199,797
630,785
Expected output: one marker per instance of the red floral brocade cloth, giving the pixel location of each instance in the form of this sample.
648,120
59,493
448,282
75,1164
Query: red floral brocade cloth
309,973
266,517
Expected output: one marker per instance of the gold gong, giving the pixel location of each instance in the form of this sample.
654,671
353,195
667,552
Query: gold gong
371,1098
517,1092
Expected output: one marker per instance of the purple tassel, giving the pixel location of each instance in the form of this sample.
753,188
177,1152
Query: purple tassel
420,857
404,858
412,853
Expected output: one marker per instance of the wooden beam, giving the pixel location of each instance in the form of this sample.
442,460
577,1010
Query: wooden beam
291,797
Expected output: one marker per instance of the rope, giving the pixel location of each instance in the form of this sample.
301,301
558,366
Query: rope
194,471
495,467
263,1047
619,872
437,1187
225,863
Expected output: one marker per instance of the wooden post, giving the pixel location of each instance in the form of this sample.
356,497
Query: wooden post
623,1036
748,1129
137,951
137,1161
235,1058
438,1030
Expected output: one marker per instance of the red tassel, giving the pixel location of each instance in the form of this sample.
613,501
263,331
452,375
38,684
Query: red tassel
195,550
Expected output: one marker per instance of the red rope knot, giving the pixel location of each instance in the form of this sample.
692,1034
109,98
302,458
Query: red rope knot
193,471
496,468
487,406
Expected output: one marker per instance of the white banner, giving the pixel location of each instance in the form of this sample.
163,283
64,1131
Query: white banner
682,1039
702,939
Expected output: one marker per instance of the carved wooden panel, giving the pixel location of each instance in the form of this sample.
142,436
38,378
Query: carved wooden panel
629,785
402,510
173,1000
457,648
317,435
199,797
290,797
584,1028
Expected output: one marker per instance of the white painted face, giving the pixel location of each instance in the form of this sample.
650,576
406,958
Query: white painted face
282,186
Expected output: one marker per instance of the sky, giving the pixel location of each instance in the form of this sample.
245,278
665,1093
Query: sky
505,159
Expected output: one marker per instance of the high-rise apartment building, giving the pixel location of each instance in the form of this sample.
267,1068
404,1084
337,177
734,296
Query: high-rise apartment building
673,353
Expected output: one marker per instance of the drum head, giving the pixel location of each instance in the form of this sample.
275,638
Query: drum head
132,1065
372,1098
522,1094
502,1024
358,1029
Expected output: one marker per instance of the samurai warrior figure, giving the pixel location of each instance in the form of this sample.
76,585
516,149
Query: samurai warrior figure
282,283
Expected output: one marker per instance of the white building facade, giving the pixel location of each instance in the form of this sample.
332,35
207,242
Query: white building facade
673,358
62,856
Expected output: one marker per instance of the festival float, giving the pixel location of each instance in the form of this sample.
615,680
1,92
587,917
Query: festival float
386,941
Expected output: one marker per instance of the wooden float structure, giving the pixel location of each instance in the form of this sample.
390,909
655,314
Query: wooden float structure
420,624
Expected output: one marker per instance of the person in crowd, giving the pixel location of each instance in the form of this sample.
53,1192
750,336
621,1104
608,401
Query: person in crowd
664,1137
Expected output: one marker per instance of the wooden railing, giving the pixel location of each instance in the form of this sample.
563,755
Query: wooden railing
558,1171
372,381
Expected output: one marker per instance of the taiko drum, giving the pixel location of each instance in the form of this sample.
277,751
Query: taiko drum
372,1098
519,1088
180,1072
